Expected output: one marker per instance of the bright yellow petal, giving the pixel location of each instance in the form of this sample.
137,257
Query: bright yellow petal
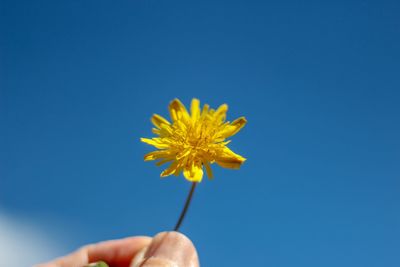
159,121
154,142
158,154
184,153
170,170
178,171
205,110
165,131
155,131
208,170
162,162
233,128
229,153
195,109
229,163
228,159
193,172
178,111
222,109
220,113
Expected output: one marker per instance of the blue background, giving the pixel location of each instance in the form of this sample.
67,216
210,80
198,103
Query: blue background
318,82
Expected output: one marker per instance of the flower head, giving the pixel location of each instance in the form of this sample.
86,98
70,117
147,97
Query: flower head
193,141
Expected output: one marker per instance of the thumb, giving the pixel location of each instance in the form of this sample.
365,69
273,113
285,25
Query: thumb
168,249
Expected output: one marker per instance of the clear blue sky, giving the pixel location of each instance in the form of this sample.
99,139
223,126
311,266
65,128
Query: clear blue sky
318,82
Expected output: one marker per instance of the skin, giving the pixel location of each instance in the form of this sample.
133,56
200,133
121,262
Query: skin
166,249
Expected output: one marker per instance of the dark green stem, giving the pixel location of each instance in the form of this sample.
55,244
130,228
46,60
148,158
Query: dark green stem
185,208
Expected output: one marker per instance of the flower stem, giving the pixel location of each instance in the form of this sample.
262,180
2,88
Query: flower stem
185,208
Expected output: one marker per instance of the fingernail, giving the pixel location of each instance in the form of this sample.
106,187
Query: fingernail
168,249
98,264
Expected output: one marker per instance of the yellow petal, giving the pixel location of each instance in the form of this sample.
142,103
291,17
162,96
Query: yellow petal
170,170
220,113
229,163
166,130
158,154
222,109
156,131
158,121
233,128
155,142
184,153
178,171
208,170
193,172
204,112
195,109
228,159
162,162
178,111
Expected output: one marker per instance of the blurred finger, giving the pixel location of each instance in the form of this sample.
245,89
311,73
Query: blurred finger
168,249
117,253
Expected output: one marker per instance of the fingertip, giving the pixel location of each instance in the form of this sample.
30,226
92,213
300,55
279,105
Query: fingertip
168,249
117,252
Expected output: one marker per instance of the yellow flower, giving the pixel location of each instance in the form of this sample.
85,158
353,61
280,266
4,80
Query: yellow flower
194,140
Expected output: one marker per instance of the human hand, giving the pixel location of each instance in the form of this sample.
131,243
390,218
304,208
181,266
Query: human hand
166,249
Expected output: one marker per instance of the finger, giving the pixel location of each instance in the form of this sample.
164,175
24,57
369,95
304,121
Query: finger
168,249
77,258
118,253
